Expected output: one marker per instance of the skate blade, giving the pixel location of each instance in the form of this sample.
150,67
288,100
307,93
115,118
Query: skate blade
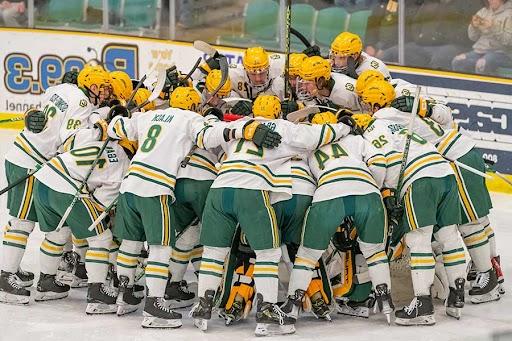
326,317
155,322
49,296
417,321
501,289
71,280
174,304
124,309
201,324
489,297
454,312
8,298
100,308
357,311
270,329
25,284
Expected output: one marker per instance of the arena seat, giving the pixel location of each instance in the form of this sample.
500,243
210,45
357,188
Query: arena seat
358,21
330,22
61,13
303,20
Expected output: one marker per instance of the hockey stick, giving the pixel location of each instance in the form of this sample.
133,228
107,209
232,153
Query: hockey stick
301,37
160,83
19,181
196,65
103,215
141,81
288,20
303,113
14,119
472,170
205,48
224,77
502,177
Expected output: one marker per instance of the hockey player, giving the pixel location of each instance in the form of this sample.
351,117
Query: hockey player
144,205
361,169
248,178
67,108
56,184
318,86
211,82
429,193
121,85
347,57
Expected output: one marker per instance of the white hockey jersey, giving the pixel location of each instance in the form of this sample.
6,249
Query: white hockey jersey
371,63
342,94
302,180
165,137
201,166
68,109
423,160
65,172
251,167
350,166
449,142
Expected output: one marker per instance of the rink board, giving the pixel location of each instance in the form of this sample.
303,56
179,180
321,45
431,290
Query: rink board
33,60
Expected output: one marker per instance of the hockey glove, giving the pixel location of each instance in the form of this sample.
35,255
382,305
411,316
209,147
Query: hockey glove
288,106
243,108
261,135
349,121
171,82
102,126
35,120
117,110
215,112
70,77
489,165
312,51
394,209
405,104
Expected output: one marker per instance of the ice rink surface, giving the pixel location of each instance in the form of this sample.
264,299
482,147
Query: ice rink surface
66,319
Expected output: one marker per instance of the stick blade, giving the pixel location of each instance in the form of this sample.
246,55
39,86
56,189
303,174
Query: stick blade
300,114
204,47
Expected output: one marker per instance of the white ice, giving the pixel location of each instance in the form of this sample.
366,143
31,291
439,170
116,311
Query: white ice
66,319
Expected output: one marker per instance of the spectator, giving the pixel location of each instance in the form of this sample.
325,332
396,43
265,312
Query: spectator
436,35
491,30
12,13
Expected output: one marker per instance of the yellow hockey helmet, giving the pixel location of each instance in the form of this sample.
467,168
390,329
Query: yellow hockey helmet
93,75
184,97
122,86
267,106
362,120
365,78
346,44
378,94
255,59
296,60
212,82
141,96
324,117
312,68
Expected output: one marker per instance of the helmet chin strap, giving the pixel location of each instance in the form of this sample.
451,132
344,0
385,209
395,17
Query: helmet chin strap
351,67
91,94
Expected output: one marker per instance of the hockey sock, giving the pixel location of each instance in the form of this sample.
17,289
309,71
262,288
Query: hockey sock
127,259
195,257
52,249
112,256
80,246
179,263
15,241
422,261
305,262
97,257
489,231
477,244
454,257
212,269
266,277
377,261
157,270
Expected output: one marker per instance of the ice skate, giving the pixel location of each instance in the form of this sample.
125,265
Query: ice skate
455,301
101,299
272,320
24,278
202,311
384,301
11,291
71,271
358,309
157,315
179,295
485,288
320,308
420,312
127,302
49,288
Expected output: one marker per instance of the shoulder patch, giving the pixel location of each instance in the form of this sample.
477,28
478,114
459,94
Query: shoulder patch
349,86
374,64
406,92
275,56
83,103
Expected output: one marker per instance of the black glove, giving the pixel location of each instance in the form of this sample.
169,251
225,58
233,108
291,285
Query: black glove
312,51
342,240
288,106
395,209
117,110
171,81
405,104
35,120
213,62
266,137
243,108
349,121
70,77
215,112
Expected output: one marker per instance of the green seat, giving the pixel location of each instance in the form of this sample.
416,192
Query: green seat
62,12
139,14
358,21
113,5
303,19
504,72
329,23
261,26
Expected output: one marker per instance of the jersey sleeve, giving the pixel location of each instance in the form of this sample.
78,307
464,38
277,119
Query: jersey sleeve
76,117
375,161
123,128
311,137
81,137
442,114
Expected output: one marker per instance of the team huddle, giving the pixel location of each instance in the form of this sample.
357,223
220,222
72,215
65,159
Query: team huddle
292,188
